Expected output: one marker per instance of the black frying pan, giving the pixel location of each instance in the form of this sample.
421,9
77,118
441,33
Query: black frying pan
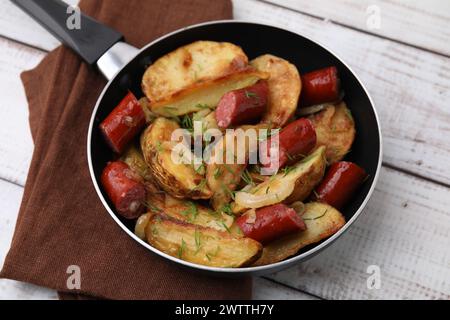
124,66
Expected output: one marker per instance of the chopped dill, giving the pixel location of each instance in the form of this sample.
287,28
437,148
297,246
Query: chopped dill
181,249
318,217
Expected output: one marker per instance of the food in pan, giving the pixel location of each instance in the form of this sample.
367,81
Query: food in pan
284,88
256,201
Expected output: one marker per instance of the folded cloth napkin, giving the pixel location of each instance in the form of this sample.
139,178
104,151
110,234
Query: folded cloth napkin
61,221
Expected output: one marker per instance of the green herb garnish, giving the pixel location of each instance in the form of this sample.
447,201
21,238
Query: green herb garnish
159,147
152,207
202,106
247,177
221,223
228,190
217,173
181,249
250,94
191,211
287,170
318,217
187,123
226,208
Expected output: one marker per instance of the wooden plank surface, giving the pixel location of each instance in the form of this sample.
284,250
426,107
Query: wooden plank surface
404,230
15,24
424,24
16,145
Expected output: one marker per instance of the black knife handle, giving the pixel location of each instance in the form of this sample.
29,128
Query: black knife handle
90,41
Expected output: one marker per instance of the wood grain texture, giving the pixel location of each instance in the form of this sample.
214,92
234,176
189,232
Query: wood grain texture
15,24
409,87
16,145
424,24
264,289
405,230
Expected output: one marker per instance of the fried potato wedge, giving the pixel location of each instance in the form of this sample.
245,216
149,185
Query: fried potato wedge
195,62
191,212
223,176
284,88
335,129
200,245
205,94
135,160
178,179
321,222
289,185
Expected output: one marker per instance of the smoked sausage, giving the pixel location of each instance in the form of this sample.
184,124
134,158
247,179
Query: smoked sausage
296,140
340,183
124,189
242,106
270,223
320,86
123,123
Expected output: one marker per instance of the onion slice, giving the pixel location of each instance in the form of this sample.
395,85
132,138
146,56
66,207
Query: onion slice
275,195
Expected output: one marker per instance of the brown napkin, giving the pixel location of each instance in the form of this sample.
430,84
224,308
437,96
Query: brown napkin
61,221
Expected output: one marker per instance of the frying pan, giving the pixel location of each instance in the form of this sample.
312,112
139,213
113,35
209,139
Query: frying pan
124,65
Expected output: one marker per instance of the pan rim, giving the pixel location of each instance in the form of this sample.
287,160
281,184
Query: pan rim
244,270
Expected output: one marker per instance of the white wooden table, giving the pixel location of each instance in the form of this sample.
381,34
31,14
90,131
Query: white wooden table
403,61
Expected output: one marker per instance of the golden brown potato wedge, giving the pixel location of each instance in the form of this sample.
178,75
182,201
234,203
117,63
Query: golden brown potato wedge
183,210
321,221
192,212
180,180
284,88
205,94
195,62
223,177
335,129
291,184
135,160
200,245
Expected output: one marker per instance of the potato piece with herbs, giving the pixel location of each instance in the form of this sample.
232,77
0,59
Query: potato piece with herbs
205,94
223,176
178,179
335,129
196,244
192,212
135,160
321,222
196,75
291,184
284,88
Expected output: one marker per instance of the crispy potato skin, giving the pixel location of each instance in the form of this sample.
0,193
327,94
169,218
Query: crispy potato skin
335,129
306,174
321,221
205,93
284,88
200,245
196,62
187,211
178,179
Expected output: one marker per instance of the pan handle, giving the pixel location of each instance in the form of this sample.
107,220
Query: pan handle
89,39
